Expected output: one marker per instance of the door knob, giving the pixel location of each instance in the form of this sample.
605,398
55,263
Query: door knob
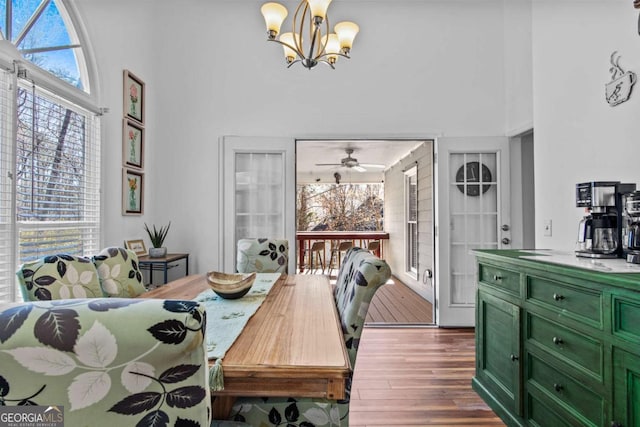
506,241
505,227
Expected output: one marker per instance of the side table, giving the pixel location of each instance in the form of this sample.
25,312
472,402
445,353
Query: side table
162,264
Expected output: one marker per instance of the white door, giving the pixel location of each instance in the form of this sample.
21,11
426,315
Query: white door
257,191
473,211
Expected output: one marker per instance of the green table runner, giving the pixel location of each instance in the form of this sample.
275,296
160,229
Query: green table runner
227,318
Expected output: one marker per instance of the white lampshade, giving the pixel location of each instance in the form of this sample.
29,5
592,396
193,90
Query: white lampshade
331,46
288,38
346,33
319,7
274,14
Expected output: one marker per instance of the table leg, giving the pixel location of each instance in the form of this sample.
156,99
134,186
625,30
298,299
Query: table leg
166,276
221,406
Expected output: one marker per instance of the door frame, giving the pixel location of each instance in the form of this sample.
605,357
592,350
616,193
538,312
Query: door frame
228,146
463,316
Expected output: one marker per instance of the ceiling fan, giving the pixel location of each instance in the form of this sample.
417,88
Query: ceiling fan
352,163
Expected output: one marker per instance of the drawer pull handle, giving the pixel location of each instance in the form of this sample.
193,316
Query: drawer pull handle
513,357
558,297
497,277
558,387
615,424
557,341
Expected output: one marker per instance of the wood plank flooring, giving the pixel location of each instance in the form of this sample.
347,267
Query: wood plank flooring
396,303
417,377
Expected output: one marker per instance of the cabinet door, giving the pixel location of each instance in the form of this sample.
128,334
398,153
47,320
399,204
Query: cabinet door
257,188
626,389
498,350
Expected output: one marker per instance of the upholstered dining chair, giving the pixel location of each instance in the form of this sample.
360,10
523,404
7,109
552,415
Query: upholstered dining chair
59,276
262,256
119,273
360,276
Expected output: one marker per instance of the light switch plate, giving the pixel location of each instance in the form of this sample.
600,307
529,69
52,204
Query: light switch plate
547,228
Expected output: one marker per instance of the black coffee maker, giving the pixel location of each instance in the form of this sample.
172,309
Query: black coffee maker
600,231
631,227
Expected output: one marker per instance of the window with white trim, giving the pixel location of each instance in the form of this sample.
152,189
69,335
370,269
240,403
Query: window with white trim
411,219
49,143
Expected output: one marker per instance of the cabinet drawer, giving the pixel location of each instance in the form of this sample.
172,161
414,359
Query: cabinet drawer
582,304
580,351
626,318
500,278
564,391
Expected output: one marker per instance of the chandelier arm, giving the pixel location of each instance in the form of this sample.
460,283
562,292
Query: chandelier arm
298,40
327,32
294,48
324,61
336,53
293,62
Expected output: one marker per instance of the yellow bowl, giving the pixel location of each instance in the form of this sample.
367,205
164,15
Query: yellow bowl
230,286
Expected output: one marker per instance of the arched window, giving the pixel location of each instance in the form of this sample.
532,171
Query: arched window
43,33
49,139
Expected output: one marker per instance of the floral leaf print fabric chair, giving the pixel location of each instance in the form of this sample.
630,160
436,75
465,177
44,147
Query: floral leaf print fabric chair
107,361
119,273
59,277
360,276
262,256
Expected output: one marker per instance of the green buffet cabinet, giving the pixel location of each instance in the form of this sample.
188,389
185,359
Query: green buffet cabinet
558,339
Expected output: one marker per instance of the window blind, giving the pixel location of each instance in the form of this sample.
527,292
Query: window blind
49,178
7,159
57,177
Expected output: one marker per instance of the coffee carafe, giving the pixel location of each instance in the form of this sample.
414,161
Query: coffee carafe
600,230
631,227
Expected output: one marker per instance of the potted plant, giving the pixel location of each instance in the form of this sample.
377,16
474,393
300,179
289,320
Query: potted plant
157,237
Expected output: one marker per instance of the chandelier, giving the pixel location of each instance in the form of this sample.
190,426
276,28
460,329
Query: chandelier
318,47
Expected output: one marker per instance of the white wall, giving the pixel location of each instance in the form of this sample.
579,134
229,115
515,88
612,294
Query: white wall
578,136
418,69
518,67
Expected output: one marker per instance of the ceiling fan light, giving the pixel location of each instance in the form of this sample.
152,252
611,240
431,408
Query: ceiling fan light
318,8
288,38
274,14
346,32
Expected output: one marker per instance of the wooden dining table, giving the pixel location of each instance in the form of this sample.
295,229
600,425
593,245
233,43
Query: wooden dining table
292,346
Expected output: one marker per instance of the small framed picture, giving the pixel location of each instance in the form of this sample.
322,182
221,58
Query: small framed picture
133,97
132,192
136,246
132,144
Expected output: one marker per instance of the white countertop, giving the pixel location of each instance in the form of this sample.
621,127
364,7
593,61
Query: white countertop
605,265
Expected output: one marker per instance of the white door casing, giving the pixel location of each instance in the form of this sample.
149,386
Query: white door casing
257,193
473,212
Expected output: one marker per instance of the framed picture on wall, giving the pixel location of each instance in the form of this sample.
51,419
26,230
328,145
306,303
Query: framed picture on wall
132,144
133,97
132,192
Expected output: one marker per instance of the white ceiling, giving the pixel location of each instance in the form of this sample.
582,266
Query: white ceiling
384,152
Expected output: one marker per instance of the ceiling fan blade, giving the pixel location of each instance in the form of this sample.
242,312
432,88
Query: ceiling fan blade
328,164
372,165
359,168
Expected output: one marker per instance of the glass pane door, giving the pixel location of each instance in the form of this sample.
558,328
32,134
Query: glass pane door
259,192
473,205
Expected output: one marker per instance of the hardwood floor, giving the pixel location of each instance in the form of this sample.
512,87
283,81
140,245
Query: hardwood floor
396,303
417,377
